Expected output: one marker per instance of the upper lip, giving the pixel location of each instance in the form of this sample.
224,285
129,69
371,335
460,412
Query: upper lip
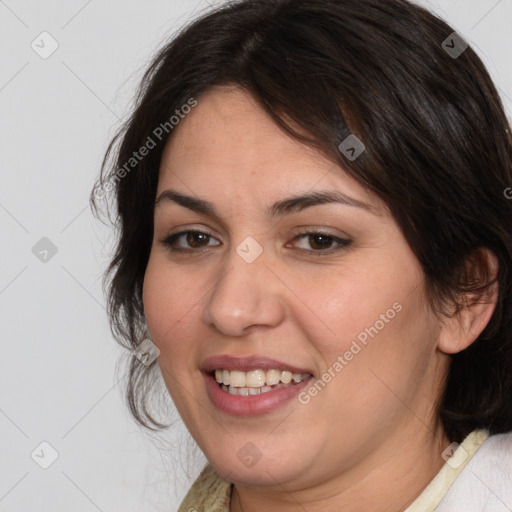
245,364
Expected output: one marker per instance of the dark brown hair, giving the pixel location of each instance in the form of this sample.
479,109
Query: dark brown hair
438,153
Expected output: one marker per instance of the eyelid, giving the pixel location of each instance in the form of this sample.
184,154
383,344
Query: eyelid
312,230
191,228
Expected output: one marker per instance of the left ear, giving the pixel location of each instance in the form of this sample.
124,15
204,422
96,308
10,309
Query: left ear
462,328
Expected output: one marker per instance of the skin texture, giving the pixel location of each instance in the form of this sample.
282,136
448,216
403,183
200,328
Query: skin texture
370,439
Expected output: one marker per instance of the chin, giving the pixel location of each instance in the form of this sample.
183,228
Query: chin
243,467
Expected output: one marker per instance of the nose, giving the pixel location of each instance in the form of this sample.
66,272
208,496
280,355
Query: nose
245,296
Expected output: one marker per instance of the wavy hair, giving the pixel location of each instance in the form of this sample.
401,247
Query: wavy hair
438,153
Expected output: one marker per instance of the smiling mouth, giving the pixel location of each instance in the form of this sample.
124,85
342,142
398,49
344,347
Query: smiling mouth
256,382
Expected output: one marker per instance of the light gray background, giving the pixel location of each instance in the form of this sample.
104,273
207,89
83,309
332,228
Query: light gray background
60,379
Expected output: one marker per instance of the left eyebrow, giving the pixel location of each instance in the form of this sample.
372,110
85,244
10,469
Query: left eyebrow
299,203
278,209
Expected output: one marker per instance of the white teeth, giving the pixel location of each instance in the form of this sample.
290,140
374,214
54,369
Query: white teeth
255,379
272,377
286,377
255,382
252,391
237,379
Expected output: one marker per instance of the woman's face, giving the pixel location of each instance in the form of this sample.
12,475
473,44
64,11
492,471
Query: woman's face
317,286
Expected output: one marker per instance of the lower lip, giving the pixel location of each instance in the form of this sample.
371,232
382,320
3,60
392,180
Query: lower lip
251,405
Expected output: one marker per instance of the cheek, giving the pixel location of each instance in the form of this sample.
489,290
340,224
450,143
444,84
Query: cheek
158,304
169,308
376,319
344,308
169,312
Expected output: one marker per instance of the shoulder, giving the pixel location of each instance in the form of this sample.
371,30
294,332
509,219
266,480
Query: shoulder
209,493
485,483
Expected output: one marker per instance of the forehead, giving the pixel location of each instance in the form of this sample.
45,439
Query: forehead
228,139
229,128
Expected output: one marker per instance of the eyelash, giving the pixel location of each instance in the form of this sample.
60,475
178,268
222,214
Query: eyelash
343,243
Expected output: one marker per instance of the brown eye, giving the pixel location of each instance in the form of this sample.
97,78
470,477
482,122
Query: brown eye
320,243
197,239
188,241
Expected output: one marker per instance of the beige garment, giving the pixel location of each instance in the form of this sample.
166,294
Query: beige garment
210,493
432,495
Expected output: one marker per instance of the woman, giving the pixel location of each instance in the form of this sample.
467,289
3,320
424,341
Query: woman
315,236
